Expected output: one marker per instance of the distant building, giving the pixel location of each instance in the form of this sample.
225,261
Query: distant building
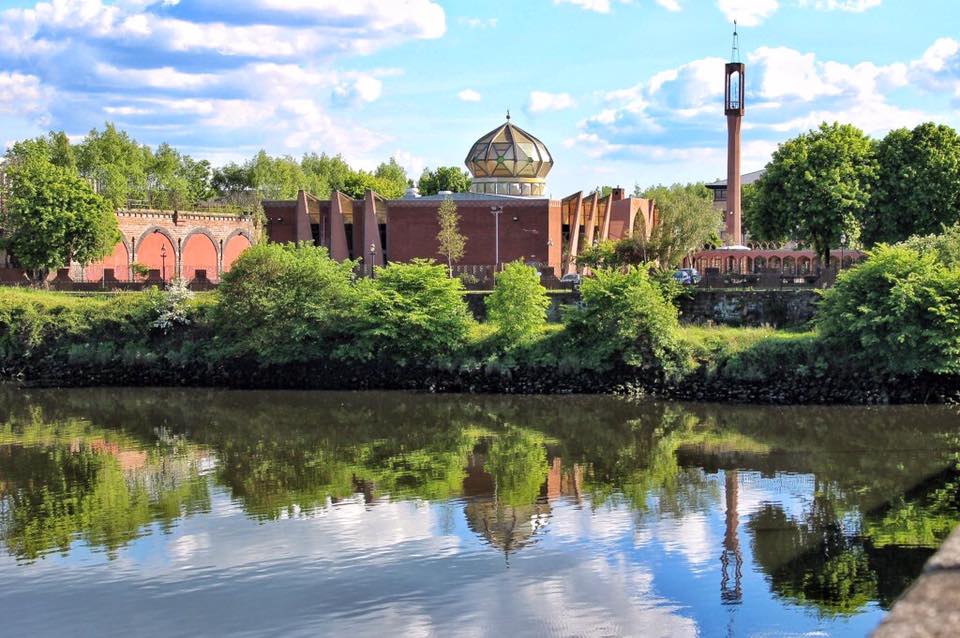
506,216
719,187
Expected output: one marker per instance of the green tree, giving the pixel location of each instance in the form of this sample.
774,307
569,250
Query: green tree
625,319
53,217
519,302
116,163
232,182
895,313
275,177
444,178
282,302
54,148
945,245
686,220
167,185
918,188
411,313
452,242
393,179
817,188
325,173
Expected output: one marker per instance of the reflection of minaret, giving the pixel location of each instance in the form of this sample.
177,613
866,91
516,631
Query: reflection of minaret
734,107
731,544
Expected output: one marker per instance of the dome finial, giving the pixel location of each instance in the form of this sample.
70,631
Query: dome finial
508,115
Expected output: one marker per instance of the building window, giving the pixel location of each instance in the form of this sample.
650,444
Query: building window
720,195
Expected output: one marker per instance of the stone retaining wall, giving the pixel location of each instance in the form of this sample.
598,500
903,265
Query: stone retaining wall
931,607
777,308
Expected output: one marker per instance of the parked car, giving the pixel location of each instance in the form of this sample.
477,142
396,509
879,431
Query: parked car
687,276
572,279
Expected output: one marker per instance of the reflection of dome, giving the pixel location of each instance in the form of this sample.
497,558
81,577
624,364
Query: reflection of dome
508,527
509,161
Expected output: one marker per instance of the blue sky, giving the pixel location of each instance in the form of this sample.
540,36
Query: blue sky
621,91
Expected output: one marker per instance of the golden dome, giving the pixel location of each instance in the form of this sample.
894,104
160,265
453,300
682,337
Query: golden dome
509,161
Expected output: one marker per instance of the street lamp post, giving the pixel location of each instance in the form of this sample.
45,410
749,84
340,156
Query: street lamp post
163,264
373,255
496,211
843,244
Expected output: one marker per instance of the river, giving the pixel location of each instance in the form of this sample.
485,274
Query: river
154,512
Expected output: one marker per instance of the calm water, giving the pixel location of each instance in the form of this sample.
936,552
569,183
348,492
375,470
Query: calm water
165,513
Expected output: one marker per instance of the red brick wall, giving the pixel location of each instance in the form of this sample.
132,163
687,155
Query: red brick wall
527,229
188,238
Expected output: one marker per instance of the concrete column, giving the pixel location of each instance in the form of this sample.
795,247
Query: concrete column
733,217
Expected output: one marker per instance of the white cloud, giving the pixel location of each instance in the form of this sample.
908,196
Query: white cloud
853,6
323,27
22,94
479,23
542,101
358,89
160,78
600,6
675,116
469,95
670,5
748,13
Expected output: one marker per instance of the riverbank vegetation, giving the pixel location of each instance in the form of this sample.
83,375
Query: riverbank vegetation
290,316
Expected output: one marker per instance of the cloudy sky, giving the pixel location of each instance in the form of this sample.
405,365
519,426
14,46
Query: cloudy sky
621,91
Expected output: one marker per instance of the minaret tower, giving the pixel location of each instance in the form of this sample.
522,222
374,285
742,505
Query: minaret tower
734,107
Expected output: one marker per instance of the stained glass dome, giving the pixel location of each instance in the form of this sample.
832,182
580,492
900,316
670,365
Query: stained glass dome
509,161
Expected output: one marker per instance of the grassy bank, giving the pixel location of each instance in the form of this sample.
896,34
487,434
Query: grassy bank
291,317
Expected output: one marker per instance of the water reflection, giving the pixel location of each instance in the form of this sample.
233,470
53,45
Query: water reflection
776,511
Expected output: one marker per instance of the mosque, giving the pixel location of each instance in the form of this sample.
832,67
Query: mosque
506,216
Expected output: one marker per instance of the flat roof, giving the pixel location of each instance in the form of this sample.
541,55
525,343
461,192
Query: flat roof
746,178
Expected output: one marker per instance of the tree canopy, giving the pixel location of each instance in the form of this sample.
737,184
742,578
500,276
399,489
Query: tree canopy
444,178
53,216
817,188
686,220
918,187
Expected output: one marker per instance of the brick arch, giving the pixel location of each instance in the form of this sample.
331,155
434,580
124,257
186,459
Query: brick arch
148,251
118,260
234,244
199,251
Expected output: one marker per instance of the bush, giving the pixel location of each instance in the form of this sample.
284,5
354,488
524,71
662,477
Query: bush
519,303
898,312
282,303
624,318
946,245
35,324
410,313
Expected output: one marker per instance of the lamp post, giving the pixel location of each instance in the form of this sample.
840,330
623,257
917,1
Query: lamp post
373,255
843,244
163,264
496,211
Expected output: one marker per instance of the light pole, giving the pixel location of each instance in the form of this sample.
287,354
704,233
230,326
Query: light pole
496,211
373,255
163,263
843,244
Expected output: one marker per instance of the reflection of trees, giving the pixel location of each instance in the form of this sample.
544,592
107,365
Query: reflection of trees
812,561
280,454
77,481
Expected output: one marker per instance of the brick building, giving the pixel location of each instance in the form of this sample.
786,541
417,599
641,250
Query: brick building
505,216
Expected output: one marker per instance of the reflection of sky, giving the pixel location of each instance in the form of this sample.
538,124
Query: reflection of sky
416,568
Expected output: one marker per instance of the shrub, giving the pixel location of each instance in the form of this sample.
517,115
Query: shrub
946,245
519,303
898,312
624,318
282,303
410,312
35,324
